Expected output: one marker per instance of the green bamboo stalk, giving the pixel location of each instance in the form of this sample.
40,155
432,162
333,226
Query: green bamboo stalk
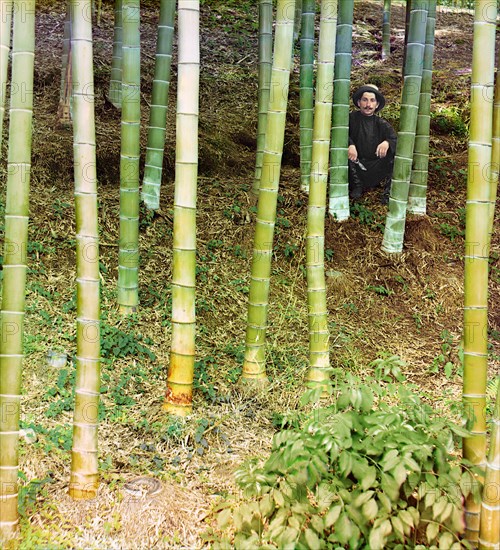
84,478
159,104
14,265
115,81
318,373
128,256
179,393
297,23
306,92
5,28
417,197
478,211
386,30
489,529
339,177
64,107
265,66
396,215
254,363
495,151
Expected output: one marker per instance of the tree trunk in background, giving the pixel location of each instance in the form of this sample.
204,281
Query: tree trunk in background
159,104
417,196
254,364
265,66
396,215
179,394
115,81
339,177
64,108
84,479
5,28
14,263
318,374
478,211
128,256
306,90
386,30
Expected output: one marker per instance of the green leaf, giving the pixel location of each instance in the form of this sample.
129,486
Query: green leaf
369,478
313,542
362,498
224,519
332,516
343,528
278,497
390,460
399,473
266,506
445,541
390,486
345,463
377,539
318,524
432,531
370,509
397,525
385,501
439,506
406,518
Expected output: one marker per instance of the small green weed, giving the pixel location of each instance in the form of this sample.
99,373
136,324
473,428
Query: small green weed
443,360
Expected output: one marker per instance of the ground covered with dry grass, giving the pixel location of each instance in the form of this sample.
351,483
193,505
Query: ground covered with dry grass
410,305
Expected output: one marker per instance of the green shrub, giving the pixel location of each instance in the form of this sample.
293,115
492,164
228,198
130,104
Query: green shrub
354,475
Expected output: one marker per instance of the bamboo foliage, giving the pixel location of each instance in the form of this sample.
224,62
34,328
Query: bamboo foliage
489,532
159,105
254,363
417,198
319,351
128,256
115,81
182,354
306,90
339,177
478,211
396,215
14,265
5,25
265,66
386,30
84,465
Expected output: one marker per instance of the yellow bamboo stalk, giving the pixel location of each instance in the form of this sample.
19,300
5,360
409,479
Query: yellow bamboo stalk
478,209
179,394
5,24
84,478
319,350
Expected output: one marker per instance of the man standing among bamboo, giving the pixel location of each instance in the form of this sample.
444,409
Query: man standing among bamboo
372,144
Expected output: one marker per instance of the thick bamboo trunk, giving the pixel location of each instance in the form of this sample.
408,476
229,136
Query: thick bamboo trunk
306,90
478,209
179,394
64,107
159,104
128,255
417,197
14,264
386,30
5,28
115,81
254,364
84,465
339,178
396,215
265,66
319,351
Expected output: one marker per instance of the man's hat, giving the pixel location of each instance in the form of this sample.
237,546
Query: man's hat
356,96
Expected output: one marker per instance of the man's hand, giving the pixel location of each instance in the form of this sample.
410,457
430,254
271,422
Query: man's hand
382,149
352,153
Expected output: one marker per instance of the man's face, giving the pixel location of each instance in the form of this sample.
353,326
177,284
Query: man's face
368,104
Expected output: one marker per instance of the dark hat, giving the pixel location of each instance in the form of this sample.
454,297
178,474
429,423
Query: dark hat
356,96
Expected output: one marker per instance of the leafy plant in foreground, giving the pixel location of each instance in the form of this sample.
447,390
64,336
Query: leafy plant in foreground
354,476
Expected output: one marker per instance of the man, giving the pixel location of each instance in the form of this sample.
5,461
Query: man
372,144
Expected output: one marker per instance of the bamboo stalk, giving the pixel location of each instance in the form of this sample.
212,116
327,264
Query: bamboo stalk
64,107
319,352
179,393
417,197
14,265
84,479
306,90
396,215
5,28
128,256
386,30
265,66
478,210
339,177
159,105
115,81
254,363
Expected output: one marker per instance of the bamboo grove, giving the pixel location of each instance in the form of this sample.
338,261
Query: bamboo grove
324,111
